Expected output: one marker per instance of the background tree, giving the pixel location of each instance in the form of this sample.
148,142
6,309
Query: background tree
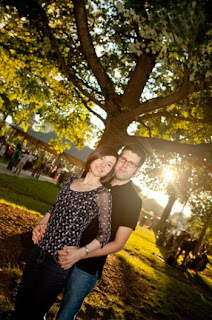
41,99
146,65
200,222
182,177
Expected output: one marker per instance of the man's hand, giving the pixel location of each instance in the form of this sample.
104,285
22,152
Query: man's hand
69,256
38,232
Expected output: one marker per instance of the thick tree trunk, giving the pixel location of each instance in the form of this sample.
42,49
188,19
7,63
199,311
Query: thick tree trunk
114,135
166,212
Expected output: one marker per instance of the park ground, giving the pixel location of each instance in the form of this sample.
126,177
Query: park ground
136,283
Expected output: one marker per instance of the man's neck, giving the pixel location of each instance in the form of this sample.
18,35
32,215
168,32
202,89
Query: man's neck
117,182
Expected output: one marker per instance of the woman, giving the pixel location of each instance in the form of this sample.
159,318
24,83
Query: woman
78,203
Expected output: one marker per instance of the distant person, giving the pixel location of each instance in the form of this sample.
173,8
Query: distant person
24,157
36,166
53,172
78,203
169,240
29,163
40,169
63,176
47,168
9,153
15,157
200,262
58,171
126,207
186,247
3,149
178,240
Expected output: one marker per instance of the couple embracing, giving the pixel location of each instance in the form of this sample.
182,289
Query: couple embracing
93,216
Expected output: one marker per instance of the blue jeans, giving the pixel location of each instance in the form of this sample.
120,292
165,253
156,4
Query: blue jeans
42,281
80,284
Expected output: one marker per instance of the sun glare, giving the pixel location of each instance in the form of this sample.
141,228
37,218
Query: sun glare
168,175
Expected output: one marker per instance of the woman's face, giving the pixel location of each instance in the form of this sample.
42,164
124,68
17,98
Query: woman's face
102,166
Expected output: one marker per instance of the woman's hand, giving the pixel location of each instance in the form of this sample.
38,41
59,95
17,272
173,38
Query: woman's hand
38,232
69,256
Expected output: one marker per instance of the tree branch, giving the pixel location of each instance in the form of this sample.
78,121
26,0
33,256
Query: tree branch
146,127
162,102
151,144
189,136
88,108
88,49
38,19
166,114
138,79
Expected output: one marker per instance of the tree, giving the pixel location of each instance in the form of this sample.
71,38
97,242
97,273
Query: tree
181,177
166,212
142,63
39,100
201,219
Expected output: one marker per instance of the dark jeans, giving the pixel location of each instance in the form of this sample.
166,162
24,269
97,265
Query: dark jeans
42,281
80,284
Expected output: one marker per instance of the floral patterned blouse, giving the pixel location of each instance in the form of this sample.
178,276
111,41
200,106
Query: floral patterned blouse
72,213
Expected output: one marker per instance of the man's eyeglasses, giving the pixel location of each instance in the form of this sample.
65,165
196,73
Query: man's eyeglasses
131,164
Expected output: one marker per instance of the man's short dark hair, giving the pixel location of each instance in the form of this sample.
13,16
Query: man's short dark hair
135,148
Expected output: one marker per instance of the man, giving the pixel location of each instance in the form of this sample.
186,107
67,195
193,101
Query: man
126,206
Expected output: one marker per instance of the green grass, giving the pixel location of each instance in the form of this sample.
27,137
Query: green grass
176,295
33,194
171,293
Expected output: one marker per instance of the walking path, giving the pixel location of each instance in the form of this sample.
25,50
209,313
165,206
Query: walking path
24,174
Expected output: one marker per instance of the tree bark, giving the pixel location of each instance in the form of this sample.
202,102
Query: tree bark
115,134
166,212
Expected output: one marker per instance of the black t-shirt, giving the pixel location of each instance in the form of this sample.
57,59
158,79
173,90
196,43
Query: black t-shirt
126,207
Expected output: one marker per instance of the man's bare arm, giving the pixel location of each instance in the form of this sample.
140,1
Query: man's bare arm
122,235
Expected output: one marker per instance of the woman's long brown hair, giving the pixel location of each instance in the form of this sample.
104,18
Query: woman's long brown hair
100,152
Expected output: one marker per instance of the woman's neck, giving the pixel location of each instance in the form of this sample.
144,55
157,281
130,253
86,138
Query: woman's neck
92,180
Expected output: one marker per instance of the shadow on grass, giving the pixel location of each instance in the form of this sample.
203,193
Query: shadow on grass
15,249
191,291
174,295
120,294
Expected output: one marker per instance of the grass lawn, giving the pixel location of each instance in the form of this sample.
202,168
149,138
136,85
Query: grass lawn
176,294
152,288
137,284
33,194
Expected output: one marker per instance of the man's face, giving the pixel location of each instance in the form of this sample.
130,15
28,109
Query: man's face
124,169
